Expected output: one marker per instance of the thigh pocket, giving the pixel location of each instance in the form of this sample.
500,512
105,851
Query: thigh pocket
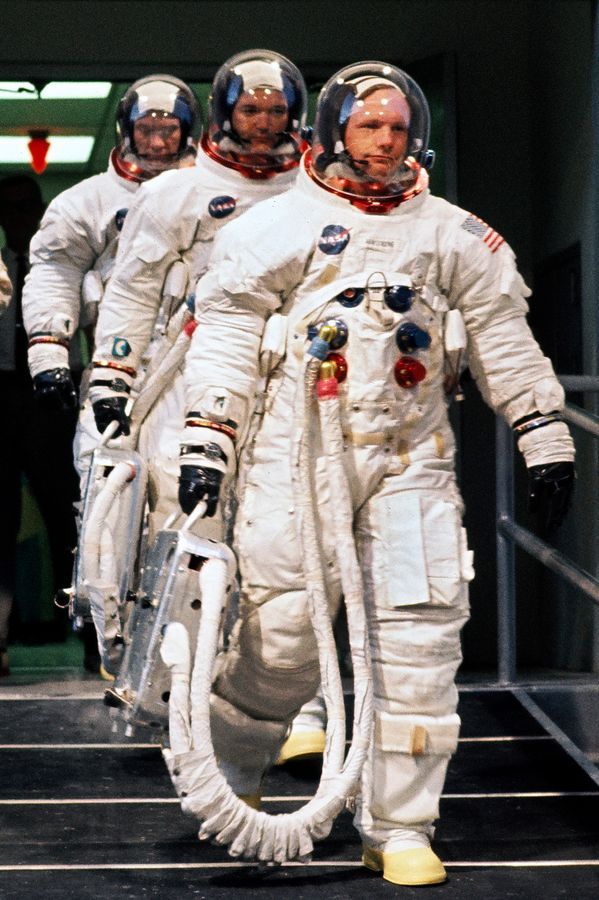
414,551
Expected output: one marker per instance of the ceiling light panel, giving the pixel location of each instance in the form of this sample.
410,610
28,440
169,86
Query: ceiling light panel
72,148
55,90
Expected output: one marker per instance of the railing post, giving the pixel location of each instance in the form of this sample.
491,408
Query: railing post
506,555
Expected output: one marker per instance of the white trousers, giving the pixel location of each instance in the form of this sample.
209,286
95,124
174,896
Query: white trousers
415,565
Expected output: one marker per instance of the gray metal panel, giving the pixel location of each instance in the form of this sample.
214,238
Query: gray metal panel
170,592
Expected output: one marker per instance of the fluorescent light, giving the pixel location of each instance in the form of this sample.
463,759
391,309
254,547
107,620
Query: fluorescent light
55,90
76,90
71,148
17,90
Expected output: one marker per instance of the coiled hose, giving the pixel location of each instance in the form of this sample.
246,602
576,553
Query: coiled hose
204,791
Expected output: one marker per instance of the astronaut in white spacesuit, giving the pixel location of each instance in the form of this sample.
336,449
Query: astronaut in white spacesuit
251,152
71,256
158,123
369,271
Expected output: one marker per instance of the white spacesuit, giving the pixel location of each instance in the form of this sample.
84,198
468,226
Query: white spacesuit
359,263
72,255
158,122
175,219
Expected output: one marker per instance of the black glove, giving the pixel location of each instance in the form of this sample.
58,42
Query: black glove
549,491
111,409
199,483
54,390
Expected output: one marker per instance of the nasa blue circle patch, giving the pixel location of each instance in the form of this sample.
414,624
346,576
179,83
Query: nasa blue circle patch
221,207
119,218
334,239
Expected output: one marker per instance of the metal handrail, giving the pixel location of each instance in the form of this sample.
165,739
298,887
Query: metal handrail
510,534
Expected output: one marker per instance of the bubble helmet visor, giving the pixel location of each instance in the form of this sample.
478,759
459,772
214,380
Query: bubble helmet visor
256,112
371,134
158,143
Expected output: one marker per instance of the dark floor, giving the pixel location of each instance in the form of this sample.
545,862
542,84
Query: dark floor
88,813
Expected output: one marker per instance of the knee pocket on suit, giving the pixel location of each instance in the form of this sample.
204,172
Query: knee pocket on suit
416,735
409,763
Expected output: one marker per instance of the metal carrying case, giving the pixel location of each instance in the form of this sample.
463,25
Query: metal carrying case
169,592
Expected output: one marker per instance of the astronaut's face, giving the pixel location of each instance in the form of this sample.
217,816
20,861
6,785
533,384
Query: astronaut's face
157,137
376,134
259,118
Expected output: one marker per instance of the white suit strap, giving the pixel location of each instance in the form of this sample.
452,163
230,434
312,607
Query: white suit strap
274,343
455,336
175,283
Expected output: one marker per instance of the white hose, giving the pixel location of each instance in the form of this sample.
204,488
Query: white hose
101,586
157,379
176,654
107,433
315,584
351,582
204,791
165,340
103,440
121,475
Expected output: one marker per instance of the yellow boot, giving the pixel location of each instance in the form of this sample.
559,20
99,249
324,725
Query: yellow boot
416,866
105,674
301,745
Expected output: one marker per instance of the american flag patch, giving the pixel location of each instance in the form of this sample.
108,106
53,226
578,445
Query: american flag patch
480,229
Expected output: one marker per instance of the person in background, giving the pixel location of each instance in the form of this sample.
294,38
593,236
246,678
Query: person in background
250,152
158,121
